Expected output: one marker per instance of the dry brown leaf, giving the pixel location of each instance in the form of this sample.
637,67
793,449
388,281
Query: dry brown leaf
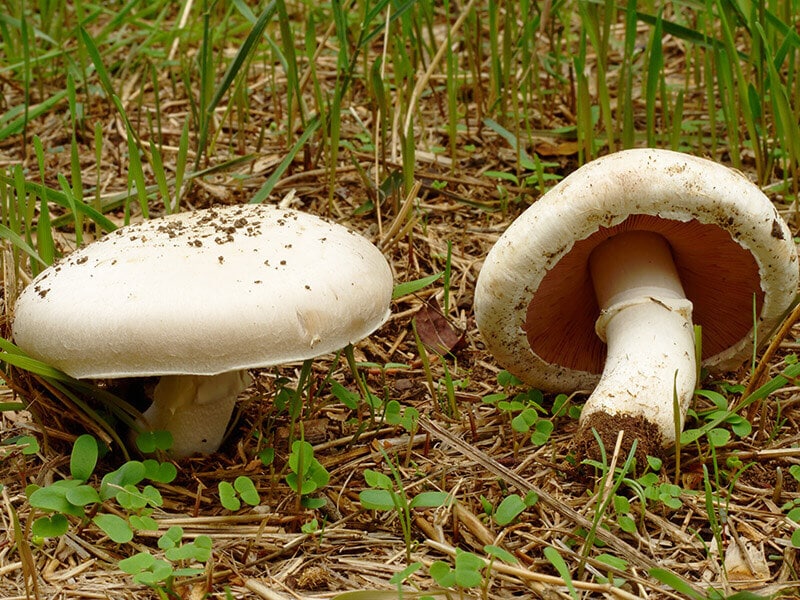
436,331
556,148
745,564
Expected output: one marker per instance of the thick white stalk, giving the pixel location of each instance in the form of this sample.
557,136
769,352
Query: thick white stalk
646,322
195,409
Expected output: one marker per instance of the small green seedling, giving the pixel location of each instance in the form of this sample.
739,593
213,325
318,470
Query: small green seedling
616,563
146,569
511,507
347,397
27,445
525,409
159,573
407,417
667,494
552,555
401,576
74,497
495,553
467,571
498,553
149,442
648,487
310,527
24,445
622,510
242,488
307,473
792,508
470,570
267,456
717,436
384,495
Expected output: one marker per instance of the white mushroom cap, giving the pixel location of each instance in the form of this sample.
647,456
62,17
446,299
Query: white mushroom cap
535,304
198,298
206,292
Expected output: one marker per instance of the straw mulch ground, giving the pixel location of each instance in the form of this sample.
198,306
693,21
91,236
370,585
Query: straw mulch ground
469,450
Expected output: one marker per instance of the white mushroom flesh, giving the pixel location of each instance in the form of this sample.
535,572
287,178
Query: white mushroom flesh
646,322
195,409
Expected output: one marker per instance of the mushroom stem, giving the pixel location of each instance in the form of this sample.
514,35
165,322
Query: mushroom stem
195,409
646,322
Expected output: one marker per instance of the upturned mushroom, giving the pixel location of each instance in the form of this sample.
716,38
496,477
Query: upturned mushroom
198,299
598,284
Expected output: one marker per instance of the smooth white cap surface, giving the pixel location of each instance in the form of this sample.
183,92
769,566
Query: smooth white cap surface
203,293
535,304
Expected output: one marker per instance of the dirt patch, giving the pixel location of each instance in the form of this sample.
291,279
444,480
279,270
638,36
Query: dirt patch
764,476
607,427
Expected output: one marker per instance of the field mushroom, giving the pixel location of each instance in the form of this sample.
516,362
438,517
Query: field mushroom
199,298
599,282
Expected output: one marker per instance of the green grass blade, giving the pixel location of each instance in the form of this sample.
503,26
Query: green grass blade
672,580
266,189
785,123
44,236
13,121
76,176
340,21
246,49
655,67
675,29
61,199
727,92
242,55
72,204
555,559
160,174
20,243
12,355
739,92
290,57
26,77
120,16
676,132
591,25
584,124
526,161
626,106
397,12
97,61
135,171
410,287
44,232
245,11
180,166
15,23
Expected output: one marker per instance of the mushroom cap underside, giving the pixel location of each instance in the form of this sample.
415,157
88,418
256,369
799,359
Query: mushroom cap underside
205,292
535,304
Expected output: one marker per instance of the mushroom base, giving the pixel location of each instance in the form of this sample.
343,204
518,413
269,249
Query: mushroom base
195,409
606,428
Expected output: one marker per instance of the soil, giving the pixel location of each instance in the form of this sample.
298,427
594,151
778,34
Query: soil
606,427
